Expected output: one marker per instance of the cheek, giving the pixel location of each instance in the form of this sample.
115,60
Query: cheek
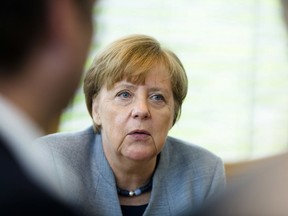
164,122
113,119
114,126
170,116
162,128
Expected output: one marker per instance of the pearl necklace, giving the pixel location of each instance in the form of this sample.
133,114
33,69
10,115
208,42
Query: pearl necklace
135,192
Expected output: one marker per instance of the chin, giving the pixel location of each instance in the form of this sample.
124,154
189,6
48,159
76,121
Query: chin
140,156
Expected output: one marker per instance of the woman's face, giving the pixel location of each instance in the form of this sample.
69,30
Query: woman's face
135,119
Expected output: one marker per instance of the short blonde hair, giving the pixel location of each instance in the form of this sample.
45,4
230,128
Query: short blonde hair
131,58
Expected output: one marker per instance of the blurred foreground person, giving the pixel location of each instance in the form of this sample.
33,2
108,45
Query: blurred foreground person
127,162
263,191
43,47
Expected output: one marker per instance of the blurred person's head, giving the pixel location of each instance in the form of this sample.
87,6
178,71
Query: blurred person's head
43,48
285,10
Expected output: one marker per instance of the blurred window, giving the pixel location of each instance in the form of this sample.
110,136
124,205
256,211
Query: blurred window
236,59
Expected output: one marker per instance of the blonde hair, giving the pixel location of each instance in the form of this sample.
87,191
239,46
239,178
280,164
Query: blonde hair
131,58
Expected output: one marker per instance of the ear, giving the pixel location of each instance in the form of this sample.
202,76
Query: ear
95,112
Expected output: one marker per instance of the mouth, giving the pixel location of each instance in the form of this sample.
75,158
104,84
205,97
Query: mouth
139,132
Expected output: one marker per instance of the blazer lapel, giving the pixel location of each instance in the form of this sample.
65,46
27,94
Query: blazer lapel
106,197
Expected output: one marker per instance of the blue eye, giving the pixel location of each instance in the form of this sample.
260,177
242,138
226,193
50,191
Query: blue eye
158,97
124,94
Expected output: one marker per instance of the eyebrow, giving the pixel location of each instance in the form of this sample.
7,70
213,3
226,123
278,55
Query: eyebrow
132,86
125,85
156,89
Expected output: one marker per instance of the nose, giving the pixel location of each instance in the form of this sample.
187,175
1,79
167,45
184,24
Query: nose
141,109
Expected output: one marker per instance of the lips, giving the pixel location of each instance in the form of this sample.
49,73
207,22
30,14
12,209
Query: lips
139,135
139,132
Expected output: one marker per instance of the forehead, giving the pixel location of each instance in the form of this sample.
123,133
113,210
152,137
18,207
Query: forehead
136,74
158,72
157,76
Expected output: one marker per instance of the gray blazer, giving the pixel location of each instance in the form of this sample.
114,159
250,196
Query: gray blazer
186,174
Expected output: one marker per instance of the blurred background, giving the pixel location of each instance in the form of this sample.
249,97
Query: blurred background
235,55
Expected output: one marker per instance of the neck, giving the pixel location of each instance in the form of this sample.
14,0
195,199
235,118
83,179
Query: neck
135,176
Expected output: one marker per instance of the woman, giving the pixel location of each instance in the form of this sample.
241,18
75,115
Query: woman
126,163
